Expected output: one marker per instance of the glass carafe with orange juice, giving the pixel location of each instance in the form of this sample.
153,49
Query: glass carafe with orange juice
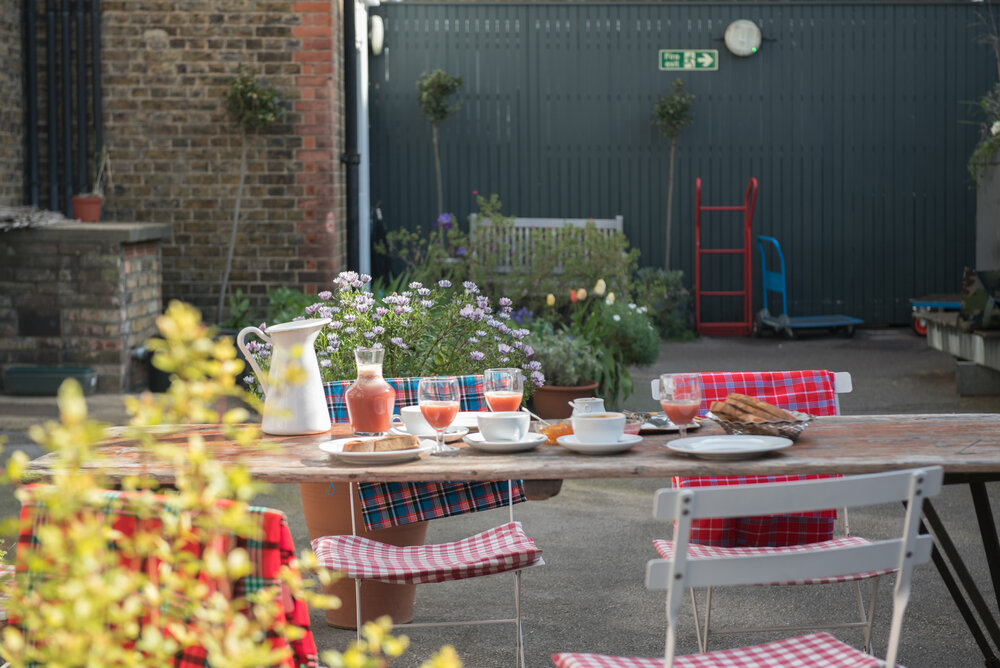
370,399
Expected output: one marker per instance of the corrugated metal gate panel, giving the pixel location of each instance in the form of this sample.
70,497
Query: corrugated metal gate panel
852,116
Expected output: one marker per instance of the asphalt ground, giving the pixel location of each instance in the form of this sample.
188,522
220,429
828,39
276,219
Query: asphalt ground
589,595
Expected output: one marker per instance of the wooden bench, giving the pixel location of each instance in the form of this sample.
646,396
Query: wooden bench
977,371
525,233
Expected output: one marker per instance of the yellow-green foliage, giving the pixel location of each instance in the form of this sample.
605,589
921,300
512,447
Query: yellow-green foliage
84,608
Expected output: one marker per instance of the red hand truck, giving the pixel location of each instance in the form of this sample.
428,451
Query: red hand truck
738,328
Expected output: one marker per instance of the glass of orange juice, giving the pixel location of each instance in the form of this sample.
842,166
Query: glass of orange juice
503,389
438,398
680,398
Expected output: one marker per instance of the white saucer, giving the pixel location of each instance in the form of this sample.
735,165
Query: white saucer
452,433
626,442
728,447
530,442
336,448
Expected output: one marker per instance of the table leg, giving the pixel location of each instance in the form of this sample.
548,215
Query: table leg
970,594
988,530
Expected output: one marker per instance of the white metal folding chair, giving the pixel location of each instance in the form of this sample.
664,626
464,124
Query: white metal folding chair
783,392
682,571
502,549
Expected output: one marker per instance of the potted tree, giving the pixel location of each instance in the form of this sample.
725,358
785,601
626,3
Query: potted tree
88,206
570,365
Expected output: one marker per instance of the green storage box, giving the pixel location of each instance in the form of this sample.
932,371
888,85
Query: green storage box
45,380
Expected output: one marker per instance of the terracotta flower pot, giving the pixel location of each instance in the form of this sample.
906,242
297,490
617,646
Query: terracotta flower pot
329,514
552,401
87,209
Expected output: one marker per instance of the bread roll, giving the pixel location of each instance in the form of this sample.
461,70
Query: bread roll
384,444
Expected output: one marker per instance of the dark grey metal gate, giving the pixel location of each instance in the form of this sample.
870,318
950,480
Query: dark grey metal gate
852,116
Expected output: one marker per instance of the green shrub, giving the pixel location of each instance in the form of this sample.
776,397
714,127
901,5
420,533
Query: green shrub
566,360
285,304
667,300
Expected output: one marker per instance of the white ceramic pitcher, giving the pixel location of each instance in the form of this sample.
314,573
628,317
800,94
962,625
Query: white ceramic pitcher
291,408
587,406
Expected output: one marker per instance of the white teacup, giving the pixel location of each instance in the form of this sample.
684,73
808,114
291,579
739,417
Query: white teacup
599,427
413,420
504,426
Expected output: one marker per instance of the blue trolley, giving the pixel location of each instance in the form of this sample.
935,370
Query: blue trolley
774,281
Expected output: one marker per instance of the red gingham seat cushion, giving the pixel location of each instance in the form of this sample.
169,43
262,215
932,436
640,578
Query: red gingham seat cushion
665,548
814,650
504,548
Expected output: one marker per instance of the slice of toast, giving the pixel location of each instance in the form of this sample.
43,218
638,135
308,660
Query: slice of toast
384,444
761,409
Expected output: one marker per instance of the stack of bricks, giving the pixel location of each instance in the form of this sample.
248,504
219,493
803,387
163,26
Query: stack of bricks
81,295
176,152
11,111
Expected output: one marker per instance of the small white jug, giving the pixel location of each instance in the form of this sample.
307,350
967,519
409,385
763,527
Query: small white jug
587,406
291,408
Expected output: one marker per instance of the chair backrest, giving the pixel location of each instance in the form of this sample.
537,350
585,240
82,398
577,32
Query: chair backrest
902,553
812,392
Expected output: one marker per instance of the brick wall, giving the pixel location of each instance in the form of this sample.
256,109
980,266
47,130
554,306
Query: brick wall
11,111
176,154
80,295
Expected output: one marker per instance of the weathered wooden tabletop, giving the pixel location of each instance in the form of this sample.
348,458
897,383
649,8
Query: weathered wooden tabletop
962,444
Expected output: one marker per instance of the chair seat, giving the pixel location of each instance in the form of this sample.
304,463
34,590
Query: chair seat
504,548
814,649
665,548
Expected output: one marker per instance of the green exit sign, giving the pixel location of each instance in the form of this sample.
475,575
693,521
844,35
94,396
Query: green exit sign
689,59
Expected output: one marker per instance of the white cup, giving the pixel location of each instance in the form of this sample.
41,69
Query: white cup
599,427
413,420
504,426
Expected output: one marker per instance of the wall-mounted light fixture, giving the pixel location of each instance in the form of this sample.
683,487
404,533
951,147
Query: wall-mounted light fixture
376,34
743,38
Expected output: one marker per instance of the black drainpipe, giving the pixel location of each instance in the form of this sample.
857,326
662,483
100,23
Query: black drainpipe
350,157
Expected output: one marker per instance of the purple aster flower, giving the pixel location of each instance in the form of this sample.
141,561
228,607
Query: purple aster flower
504,329
325,363
534,365
423,292
504,301
426,303
473,340
335,344
325,312
312,308
444,283
470,286
460,251
528,350
396,341
477,356
325,295
350,317
443,221
504,349
505,359
350,330
369,335
335,325
250,381
538,378
398,310
483,302
379,330
467,311
480,333
381,312
332,348
415,285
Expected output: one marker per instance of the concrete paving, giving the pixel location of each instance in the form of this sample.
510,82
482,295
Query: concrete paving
596,534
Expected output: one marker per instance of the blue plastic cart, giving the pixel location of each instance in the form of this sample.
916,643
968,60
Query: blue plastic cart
932,303
774,281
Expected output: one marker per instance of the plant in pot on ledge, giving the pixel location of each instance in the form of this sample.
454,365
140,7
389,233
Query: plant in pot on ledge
88,206
570,365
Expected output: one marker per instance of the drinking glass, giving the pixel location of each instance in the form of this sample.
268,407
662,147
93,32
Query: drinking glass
503,389
680,397
438,398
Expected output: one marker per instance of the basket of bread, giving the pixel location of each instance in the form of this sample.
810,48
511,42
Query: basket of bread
740,414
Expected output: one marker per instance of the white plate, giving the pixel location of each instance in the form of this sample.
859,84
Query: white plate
452,433
570,442
728,447
530,442
336,448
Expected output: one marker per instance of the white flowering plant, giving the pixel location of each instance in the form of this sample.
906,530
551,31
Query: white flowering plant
436,330
989,133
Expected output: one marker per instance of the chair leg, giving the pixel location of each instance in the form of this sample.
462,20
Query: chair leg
357,607
701,629
697,620
708,616
871,614
519,639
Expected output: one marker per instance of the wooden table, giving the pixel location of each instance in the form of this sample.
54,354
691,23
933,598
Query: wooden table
967,446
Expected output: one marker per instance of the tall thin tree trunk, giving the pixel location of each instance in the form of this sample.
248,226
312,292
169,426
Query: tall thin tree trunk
670,202
236,220
437,168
